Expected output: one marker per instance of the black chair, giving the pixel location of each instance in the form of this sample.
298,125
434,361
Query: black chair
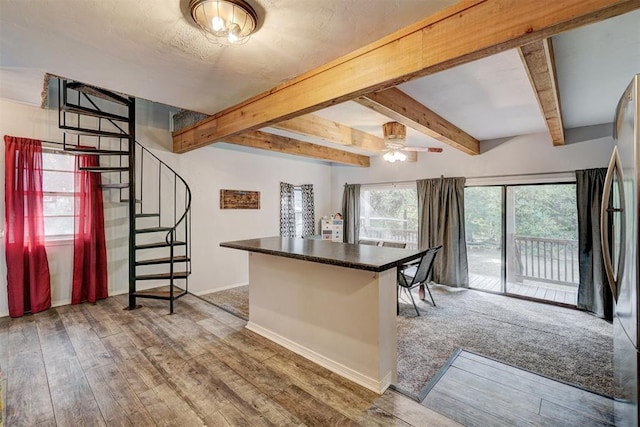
401,245
416,274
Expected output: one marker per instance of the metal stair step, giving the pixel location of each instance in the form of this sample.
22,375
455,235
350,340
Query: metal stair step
127,201
160,294
158,245
99,152
165,260
152,229
98,92
92,132
163,276
104,168
78,109
147,215
116,185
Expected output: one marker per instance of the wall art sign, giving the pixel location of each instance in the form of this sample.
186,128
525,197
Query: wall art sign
239,199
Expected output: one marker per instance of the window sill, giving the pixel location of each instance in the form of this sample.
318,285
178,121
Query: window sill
58,240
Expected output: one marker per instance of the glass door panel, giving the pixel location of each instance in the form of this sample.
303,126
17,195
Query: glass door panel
542,242
483,227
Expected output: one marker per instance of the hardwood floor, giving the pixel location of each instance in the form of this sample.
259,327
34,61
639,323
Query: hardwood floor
477,391
99,365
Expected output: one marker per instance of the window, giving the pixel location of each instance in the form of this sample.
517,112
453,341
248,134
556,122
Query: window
297,207
58,182
389,213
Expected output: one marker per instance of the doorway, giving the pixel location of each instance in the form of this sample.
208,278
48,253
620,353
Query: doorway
522,240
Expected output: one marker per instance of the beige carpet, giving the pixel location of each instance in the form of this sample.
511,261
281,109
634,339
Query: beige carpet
560,343
235,301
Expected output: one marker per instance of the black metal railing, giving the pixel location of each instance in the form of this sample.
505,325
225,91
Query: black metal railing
101,117
155,183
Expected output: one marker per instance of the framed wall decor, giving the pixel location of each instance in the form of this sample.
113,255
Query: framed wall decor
239,199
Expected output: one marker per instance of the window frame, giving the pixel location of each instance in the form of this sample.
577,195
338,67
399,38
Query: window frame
297,210
60,238
407,185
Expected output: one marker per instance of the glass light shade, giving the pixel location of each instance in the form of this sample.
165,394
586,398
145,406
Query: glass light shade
231,21
389,157
394,156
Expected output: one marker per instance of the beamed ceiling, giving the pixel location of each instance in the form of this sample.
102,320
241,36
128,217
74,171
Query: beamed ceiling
320,77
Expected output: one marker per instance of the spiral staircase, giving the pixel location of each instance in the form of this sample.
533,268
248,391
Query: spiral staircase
99,122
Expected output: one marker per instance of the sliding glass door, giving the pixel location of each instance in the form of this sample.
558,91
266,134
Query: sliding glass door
542,239
522,240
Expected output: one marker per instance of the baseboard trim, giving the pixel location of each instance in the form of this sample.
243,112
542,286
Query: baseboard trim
338,368
224,288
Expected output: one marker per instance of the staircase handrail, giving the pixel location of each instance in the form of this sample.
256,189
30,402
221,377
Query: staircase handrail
187,188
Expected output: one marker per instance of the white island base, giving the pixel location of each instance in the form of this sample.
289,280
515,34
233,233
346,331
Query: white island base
341,318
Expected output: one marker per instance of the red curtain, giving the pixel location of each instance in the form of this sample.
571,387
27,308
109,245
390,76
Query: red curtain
89,252
28,280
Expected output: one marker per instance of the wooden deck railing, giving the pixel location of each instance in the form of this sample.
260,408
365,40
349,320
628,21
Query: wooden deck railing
547,260
410,237
543,260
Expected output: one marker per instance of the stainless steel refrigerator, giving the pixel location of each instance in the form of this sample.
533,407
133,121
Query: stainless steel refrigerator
619,230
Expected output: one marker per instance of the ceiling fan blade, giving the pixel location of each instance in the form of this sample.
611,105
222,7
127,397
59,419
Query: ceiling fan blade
427,149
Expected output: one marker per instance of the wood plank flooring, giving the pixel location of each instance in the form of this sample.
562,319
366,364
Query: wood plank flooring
477,391
99,365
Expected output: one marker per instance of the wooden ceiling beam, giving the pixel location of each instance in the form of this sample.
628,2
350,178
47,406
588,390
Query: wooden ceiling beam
539,62
400,107
467,31
337,133
330,131
282,144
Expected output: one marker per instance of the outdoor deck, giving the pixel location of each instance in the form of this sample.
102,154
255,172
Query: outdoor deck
561,294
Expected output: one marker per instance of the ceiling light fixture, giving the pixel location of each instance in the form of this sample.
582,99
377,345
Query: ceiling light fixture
393,156
230,21
395,135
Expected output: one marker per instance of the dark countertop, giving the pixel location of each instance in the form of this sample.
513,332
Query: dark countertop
362,257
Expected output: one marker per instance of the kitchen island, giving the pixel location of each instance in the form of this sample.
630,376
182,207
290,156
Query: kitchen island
333,303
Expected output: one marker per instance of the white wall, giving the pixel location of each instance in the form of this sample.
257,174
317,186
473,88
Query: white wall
221,166
207,171
528,154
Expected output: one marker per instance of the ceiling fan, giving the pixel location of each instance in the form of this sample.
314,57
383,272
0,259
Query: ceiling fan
395,135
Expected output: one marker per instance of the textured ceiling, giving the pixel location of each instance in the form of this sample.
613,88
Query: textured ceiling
151,49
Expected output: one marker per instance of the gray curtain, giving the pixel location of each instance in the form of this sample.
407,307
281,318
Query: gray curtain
441,222
594,294
351,212
308,211
287,211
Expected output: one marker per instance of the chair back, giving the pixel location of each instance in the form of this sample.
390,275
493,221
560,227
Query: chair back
425,266
402,245
368,242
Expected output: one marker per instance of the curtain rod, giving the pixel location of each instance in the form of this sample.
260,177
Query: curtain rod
473,177
44,141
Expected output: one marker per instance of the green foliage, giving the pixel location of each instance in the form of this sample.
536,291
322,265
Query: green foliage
483,214
394,209
544,211
547,211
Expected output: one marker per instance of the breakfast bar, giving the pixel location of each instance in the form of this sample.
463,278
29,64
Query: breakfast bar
333,303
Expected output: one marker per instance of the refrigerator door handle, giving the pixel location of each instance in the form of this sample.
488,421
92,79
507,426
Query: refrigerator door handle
613,279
